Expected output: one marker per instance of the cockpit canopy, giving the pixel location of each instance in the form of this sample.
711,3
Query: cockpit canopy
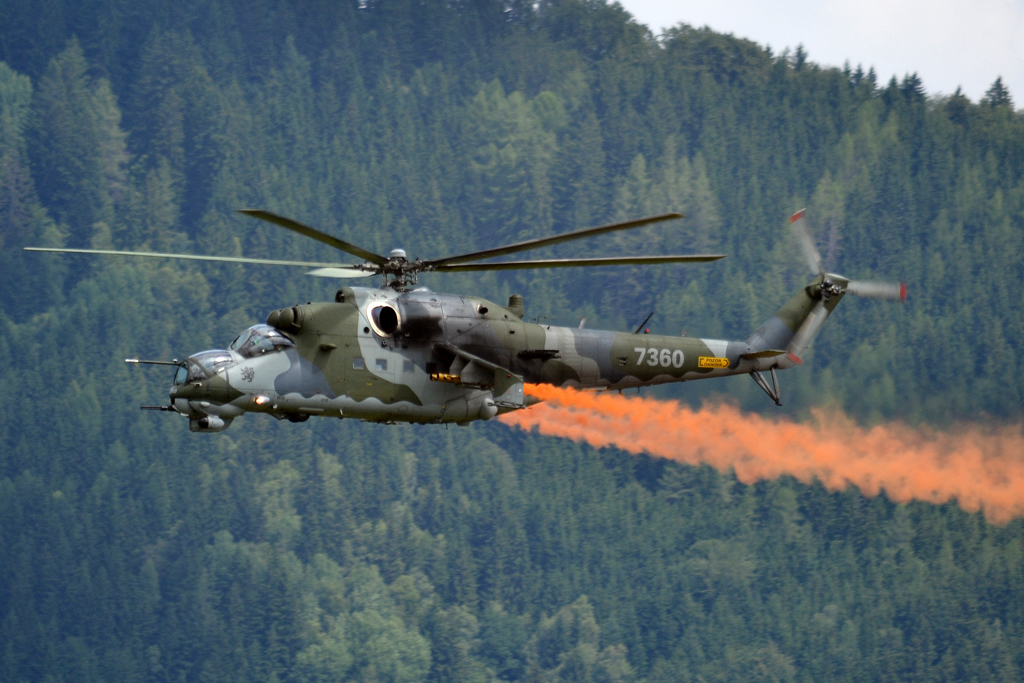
258,340
255,341
201,365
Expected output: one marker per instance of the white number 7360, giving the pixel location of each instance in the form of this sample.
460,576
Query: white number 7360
663,357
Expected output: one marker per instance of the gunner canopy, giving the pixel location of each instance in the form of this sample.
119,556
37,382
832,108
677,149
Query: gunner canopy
199,366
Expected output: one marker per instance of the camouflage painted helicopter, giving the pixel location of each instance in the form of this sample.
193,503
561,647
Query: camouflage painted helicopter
403,353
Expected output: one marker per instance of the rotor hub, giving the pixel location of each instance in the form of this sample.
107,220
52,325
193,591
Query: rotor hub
403,272
829,289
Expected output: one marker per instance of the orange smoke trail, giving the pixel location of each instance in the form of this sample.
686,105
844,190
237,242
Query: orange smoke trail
980,468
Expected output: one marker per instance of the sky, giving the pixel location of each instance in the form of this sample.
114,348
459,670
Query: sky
948,43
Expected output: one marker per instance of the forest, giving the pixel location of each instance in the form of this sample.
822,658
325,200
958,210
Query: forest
131,549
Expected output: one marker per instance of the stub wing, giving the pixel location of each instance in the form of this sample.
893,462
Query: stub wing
468,368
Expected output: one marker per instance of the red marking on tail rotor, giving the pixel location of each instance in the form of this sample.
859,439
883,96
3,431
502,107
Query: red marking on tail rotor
903,291
797,216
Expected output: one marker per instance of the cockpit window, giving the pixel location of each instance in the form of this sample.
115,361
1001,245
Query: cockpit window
258,340
195,372
206,363
211,360
181,376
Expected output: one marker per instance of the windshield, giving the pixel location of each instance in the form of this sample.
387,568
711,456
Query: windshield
206,363
258,340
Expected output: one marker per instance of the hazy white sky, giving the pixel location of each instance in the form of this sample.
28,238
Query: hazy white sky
949,43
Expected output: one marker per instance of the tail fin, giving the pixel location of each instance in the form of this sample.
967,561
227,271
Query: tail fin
794,326
782,340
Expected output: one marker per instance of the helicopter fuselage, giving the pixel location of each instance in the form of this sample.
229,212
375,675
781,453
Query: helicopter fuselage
420,356
398,354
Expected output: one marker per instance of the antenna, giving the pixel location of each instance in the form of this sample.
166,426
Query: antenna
637,331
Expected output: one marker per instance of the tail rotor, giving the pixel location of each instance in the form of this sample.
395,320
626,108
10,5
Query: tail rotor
889,291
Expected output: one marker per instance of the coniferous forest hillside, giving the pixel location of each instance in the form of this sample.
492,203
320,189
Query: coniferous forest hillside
131,549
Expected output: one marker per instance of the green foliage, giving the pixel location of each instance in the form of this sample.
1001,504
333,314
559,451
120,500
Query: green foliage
131,549
79,150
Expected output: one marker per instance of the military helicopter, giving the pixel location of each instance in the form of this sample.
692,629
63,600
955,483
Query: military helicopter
403,353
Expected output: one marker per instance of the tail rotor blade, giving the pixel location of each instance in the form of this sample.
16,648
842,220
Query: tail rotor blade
806,242
891,291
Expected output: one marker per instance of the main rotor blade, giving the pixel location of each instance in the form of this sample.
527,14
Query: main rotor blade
341,272
313,233
196,257
578,262
806,242
892,291
557,239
